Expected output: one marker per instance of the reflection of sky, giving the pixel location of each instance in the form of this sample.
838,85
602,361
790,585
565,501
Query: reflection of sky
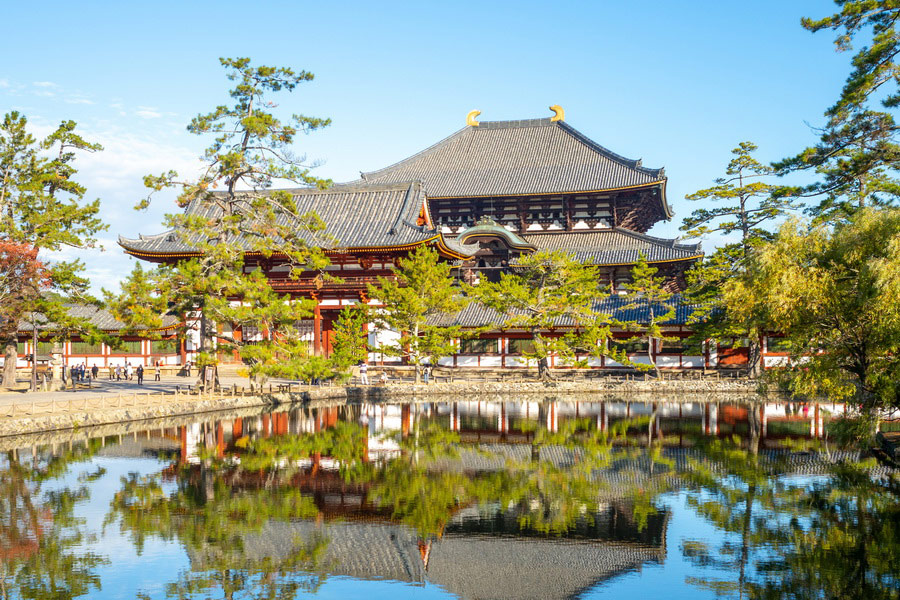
127,573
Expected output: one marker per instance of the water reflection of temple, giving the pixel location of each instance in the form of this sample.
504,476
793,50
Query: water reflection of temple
475,558
670,423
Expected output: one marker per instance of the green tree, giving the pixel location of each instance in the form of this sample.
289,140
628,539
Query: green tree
646,292
857,154
251,151
42,207
419,291
547,290
835,294
349,338
745,202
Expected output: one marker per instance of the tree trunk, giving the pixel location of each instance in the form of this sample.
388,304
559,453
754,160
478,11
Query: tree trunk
10,356
650,356
755,423
544,373
754,352
34,343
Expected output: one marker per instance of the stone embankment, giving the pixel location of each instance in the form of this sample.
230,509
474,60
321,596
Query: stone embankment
659,391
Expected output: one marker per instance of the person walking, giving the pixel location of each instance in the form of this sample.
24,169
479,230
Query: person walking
140,374
426,373
127,371
118,372
364,372
95,370
156,372
112,372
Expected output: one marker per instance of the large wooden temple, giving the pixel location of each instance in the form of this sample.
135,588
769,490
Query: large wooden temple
482,196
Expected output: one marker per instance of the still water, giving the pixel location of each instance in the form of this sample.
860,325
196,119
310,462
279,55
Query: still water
550,499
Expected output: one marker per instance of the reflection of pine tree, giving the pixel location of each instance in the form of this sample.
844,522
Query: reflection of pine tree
835,538
41,540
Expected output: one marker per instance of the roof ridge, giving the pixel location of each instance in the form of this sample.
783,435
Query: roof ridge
671,242
364,175
633,163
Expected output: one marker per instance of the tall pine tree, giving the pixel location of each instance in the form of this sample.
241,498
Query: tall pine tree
42,208
232,210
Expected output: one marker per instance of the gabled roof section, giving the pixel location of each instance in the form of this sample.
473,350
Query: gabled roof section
528,157
493,230
356,217
615,246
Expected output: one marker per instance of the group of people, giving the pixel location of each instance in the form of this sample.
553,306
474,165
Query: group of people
81,373
118,372
364,374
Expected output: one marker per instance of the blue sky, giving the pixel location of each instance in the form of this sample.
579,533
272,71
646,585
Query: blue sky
677,84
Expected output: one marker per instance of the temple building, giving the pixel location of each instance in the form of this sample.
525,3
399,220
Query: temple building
539,184
483,196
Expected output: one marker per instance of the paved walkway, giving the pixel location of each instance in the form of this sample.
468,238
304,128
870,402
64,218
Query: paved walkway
105,387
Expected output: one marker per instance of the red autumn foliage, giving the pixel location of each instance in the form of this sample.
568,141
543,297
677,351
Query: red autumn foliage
22,278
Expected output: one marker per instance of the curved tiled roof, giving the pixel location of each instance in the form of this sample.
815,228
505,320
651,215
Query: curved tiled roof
528,157
513,240
478,315
614,246
97,317
355,216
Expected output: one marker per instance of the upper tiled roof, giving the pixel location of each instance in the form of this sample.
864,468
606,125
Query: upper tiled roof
502,158
614,246
356,216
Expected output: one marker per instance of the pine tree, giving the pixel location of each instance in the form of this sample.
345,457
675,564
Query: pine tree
747,202
545,291
857,154
42,208
419,292
231,210
647,292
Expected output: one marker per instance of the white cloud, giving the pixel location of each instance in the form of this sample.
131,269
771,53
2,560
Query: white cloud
4,83
77,100
148,114
44,84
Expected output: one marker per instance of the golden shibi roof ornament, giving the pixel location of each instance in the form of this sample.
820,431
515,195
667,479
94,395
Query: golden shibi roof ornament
558,115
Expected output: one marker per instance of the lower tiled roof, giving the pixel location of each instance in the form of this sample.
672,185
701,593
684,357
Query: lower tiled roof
614,246
98,317
478,315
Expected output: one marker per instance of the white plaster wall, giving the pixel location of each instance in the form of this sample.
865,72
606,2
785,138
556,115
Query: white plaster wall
466,361
692,361
776,361
667,361
447,361
513,361
491,361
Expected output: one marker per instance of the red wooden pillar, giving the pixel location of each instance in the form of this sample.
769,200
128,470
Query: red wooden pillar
182,435
405,419
317,331
266,429
220,440
237,428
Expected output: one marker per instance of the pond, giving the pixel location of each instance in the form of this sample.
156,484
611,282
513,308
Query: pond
493,499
